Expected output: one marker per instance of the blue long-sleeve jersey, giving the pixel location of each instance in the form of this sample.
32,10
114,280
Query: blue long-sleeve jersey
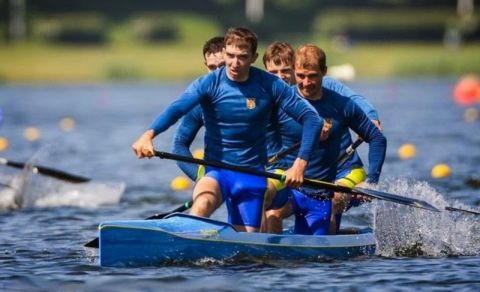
236,115
193,121
344,114
353,160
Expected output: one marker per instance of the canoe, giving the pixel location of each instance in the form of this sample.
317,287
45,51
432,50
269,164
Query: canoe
185,238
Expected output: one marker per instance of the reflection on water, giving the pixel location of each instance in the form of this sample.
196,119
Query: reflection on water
41,243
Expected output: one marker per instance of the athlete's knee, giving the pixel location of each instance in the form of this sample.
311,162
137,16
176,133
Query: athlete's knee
274,214
206,197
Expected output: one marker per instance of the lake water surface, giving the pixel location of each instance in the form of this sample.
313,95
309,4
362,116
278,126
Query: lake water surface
41,243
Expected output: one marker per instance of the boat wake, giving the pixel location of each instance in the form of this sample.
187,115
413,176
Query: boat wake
29,191
407,231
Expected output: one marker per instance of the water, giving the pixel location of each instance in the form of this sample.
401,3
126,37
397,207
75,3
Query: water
41,239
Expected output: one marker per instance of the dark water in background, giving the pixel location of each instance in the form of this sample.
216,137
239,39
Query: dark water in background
41,243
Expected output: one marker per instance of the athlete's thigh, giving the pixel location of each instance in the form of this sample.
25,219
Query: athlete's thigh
313,214
213,182
247,196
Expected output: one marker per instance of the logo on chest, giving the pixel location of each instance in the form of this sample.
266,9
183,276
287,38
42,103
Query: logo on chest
250,101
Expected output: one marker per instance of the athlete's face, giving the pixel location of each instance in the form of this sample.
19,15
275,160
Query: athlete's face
309,82
238,61
283,71
214,61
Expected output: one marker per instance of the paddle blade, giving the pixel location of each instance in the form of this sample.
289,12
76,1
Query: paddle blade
92,243
395,198
453,209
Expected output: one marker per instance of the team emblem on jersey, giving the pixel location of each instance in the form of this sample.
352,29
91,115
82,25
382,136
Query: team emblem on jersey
251,103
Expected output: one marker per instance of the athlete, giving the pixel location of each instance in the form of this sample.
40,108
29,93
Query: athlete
236,102
213,53
279,59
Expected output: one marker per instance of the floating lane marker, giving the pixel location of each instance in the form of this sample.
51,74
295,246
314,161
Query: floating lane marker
407,151
180,183
467,90
67,124
441,170
31,134
3,143
198,154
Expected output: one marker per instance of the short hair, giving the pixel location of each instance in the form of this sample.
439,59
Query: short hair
241,37
310,56
213,45
278,53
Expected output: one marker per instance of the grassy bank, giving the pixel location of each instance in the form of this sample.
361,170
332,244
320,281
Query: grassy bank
36,62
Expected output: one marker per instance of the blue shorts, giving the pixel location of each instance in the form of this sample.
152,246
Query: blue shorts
312,216
242,193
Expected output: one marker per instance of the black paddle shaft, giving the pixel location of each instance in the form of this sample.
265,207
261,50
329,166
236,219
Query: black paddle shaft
55,173
308,182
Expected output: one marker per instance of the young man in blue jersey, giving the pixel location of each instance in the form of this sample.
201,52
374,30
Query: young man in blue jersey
313,217
279,59
236,102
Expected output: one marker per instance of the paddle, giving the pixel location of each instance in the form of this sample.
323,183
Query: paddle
350,150
94,243
453,209
283,153
308,182
55,173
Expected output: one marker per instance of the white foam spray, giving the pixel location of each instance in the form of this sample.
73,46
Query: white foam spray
408,231
29,191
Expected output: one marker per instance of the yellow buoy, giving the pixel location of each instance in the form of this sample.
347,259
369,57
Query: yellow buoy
441,170
67,124
180,183
198,153
407,151
31,134
470,115
3,143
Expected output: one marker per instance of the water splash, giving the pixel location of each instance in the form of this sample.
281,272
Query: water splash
29,191
408,231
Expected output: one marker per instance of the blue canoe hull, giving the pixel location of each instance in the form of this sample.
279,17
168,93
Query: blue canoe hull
182,237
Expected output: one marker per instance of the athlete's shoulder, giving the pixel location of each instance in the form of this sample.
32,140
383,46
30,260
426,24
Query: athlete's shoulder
206,83
263,76
330,83
337,86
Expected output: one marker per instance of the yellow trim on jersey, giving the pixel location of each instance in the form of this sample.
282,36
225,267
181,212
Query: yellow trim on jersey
353,178
200,172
